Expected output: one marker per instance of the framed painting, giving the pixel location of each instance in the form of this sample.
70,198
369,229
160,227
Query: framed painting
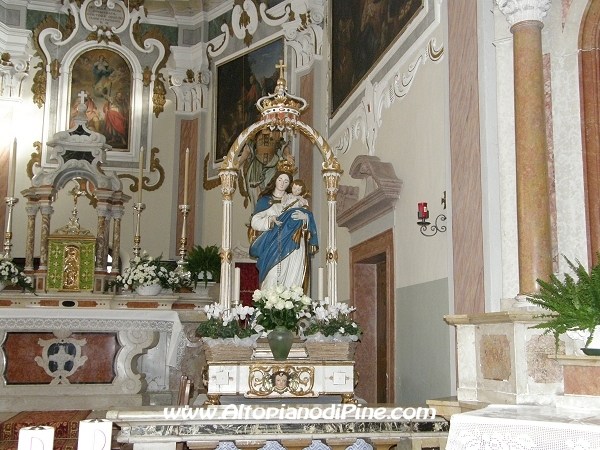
105,76
361,32
240,83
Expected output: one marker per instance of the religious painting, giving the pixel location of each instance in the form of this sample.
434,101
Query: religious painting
105,78
240,83
361,32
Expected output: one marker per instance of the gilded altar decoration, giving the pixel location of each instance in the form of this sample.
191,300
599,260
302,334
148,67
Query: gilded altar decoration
286,380
71,255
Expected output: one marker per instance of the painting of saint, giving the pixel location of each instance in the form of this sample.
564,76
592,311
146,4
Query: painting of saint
362,30
240,83
105,77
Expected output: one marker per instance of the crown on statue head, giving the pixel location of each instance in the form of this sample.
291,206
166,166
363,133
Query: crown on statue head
285,166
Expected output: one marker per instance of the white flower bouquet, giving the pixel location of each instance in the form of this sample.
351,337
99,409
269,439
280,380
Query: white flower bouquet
10,274
280,306
147,271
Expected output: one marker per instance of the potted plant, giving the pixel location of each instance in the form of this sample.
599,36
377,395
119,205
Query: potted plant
331,333
574,304
227,334
11,275
204,264
149,276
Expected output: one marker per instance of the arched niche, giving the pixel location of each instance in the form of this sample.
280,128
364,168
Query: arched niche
279,111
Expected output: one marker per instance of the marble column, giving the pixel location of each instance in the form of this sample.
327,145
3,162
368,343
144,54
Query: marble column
32,210
228,180
533,199
101,238
332,179
47,211
116,247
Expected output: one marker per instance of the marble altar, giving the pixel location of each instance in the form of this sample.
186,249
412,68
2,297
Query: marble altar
254,426
53,358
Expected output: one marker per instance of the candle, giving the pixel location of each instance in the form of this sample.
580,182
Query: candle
140,181
236,286
36,438
423,214
12,169
95,434
320,292
185,177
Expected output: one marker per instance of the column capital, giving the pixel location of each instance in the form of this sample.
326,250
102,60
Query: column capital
521,10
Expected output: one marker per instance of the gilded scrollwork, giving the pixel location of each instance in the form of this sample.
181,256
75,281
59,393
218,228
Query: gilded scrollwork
154,167
281,379
35,158
159,95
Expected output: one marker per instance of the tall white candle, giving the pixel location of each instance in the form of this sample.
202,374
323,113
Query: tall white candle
12,167
140,174
320,292
236,286
186,175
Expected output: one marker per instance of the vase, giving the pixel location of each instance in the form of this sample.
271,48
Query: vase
280,342
153,289
2,285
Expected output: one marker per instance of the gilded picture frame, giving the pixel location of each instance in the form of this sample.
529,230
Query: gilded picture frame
106,78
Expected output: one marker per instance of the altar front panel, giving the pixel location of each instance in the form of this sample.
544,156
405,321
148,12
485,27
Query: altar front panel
73,358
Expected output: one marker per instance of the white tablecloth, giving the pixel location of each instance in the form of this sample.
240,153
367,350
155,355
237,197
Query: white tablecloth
516,427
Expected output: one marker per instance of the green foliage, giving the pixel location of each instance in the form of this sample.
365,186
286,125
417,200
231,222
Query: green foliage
574,304
332,321
201,260
226,323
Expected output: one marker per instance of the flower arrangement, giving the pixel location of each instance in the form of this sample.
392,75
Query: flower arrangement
224,323
10,274
280,306
146,271
331,323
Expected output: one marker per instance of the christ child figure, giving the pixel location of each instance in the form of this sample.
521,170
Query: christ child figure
297,198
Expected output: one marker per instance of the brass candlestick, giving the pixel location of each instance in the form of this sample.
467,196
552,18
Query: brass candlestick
185,209
138,208
10,203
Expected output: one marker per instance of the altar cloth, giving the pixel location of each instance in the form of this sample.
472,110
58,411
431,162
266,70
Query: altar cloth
525,427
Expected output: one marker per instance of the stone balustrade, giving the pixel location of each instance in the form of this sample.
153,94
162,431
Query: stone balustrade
275,425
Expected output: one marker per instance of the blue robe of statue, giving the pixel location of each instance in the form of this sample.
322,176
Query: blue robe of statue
278,243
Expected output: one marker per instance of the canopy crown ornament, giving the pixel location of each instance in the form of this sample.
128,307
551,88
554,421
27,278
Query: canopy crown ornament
281,109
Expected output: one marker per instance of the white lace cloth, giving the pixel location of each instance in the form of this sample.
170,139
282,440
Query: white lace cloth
522,427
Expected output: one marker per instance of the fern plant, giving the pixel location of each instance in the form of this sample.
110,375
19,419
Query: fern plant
574,304
203,260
